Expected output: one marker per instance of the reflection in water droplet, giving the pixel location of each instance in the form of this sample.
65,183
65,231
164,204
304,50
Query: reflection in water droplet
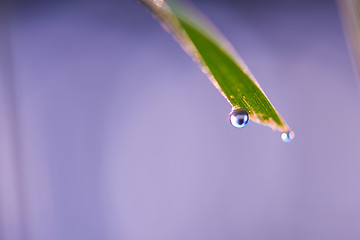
239,118
287,136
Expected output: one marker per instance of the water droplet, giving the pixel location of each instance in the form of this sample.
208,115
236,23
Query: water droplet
287,136
239,118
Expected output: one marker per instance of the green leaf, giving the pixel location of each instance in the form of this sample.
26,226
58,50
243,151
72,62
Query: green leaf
218,60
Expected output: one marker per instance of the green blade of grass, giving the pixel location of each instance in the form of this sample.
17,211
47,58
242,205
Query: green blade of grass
218,60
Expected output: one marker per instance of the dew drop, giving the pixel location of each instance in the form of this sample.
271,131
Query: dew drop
239,118
287,136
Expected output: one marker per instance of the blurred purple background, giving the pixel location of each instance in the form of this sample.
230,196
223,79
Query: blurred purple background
108,130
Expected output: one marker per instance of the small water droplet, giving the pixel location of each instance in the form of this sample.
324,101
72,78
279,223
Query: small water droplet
287,136
239,118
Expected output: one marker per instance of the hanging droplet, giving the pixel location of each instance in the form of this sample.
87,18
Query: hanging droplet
287,136
239,118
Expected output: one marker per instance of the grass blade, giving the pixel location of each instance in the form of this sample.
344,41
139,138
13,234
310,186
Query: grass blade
218,60
350,14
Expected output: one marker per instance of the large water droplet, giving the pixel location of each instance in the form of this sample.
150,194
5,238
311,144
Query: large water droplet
239,118
287,136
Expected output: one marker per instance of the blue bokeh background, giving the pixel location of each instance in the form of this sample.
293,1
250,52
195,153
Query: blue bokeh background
112,132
